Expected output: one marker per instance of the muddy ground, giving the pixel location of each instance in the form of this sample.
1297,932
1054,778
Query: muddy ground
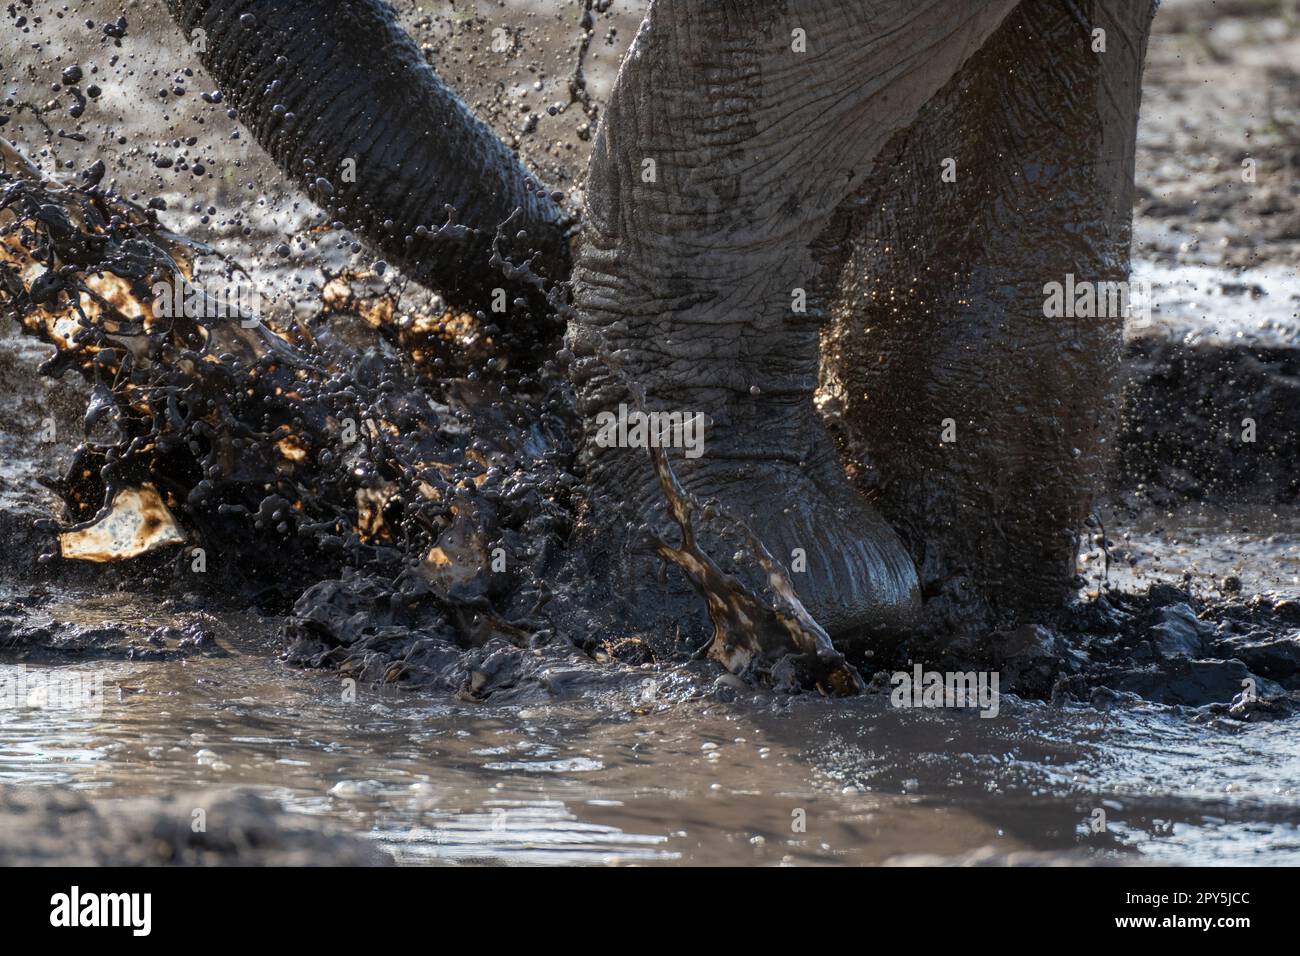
1189,589
68,830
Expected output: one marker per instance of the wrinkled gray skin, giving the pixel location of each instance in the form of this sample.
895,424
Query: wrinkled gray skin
777,171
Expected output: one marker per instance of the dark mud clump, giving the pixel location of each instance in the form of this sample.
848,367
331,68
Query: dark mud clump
34,628
1226,657
345,447
57,827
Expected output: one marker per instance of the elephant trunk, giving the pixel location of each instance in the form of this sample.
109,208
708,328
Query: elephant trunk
344,102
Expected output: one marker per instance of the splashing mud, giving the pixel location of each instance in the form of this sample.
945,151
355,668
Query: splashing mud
289,452
340,443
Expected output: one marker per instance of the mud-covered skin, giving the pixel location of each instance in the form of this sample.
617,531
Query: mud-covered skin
940,316
770,169
321,84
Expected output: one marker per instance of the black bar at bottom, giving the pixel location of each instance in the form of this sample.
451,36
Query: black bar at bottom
330,907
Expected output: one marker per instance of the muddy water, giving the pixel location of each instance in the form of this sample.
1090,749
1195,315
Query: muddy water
648,779
661,773
1205,545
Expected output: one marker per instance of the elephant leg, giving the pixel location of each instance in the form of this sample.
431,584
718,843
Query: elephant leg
734,132
345,103
983,413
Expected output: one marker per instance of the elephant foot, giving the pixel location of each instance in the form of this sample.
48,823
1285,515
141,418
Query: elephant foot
845,568
757,495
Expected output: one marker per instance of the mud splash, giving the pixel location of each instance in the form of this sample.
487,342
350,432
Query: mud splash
290,452
414,474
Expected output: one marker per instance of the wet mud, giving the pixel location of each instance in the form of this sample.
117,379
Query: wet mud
1186,407
247,830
